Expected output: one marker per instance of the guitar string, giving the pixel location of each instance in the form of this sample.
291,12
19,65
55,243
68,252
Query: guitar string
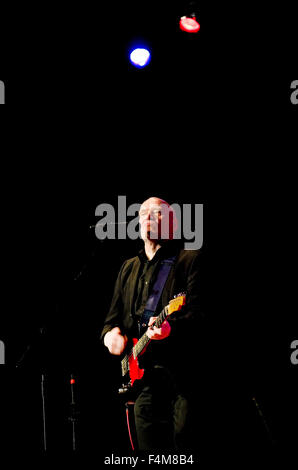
143,339
128,356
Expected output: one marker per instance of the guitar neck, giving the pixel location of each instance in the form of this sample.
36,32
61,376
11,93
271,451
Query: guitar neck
144,340
128,361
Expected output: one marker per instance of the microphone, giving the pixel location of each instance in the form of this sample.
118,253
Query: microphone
107,223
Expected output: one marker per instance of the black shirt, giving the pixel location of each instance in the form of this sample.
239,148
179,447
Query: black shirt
146,277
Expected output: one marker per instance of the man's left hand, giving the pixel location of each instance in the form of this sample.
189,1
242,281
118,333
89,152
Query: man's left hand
158,333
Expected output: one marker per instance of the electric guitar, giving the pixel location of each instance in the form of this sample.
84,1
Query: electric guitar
130,365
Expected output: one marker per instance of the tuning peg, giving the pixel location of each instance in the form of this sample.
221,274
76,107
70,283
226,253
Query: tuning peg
181,294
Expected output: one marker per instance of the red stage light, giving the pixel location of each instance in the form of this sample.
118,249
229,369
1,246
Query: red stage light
189,24
72,381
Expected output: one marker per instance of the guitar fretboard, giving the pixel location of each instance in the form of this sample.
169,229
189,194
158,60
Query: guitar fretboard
143,341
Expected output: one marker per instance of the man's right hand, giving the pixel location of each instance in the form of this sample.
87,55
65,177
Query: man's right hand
115,341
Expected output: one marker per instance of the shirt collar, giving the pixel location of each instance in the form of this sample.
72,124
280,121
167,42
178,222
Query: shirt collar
168,249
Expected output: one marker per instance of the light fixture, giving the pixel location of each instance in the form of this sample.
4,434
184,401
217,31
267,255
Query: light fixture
189,22
140,57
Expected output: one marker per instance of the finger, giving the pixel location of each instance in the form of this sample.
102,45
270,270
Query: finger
151,320
151,333
154,333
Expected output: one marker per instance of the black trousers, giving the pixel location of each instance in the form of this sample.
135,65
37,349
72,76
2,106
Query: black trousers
162,414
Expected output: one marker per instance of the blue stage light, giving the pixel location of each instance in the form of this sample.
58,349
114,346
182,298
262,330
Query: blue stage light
140,57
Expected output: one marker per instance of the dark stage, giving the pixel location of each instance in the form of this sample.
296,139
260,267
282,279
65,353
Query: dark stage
209,121
61,282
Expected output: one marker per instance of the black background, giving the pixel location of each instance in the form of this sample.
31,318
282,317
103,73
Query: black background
208,121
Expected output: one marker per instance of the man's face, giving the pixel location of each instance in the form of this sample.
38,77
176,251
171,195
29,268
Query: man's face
156,220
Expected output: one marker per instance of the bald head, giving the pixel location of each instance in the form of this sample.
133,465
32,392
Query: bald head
157,220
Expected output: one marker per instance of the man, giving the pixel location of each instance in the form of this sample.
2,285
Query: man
165,395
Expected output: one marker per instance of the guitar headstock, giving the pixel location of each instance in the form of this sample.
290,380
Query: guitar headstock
176,303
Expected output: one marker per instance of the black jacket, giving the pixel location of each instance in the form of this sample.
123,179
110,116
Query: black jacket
179,348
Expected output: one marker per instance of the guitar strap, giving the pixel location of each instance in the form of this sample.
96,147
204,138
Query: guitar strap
153,299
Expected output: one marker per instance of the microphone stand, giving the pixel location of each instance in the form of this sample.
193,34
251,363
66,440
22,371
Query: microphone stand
44,428
19,363
74,413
